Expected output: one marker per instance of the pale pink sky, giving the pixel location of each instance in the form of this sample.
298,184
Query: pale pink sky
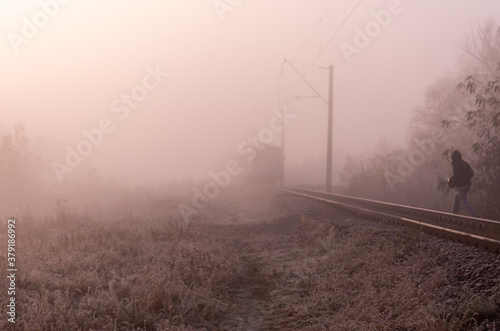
225,78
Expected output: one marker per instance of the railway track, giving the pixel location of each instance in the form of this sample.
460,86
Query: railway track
472,231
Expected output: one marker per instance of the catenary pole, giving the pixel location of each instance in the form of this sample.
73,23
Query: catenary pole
329,142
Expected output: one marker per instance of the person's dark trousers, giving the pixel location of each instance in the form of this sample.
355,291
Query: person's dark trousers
461,196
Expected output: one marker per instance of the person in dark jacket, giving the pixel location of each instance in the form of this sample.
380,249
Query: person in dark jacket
462,173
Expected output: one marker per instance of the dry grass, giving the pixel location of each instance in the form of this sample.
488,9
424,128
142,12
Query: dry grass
127,275
357,275
307,267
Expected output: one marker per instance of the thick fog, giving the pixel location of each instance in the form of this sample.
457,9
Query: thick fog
154,91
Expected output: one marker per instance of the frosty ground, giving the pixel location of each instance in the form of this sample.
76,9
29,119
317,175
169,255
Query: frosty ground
256,259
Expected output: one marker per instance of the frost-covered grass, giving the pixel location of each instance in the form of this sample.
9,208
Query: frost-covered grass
126,275
321,270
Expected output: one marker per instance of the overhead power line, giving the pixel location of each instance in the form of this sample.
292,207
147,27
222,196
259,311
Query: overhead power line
327,44
336,32
314,30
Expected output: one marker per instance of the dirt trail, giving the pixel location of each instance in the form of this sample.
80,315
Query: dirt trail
252,295
262,232
258,245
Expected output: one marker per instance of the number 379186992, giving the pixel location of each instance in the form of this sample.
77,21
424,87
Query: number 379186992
11,232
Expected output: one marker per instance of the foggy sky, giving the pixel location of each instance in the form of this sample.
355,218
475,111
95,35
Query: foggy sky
225,76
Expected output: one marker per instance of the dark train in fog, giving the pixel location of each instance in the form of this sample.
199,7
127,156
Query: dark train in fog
267,166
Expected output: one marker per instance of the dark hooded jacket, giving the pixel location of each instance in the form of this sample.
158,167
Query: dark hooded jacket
461,170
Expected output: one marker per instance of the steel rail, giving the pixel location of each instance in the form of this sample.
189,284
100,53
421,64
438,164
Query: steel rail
489,244
474,222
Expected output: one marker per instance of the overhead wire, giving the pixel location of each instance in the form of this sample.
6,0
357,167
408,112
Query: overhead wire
303,48
314,30
336,32
328,43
